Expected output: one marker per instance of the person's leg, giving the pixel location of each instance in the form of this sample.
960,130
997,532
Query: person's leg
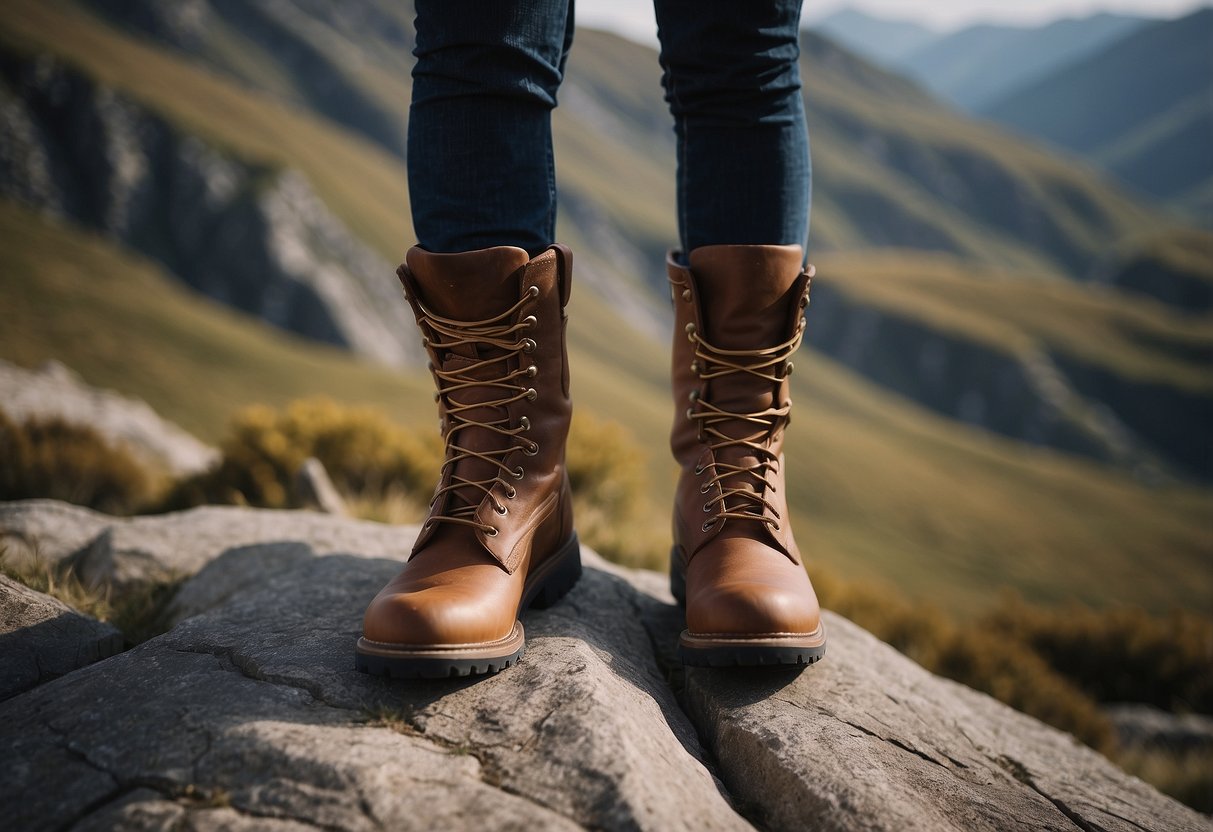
480,159
732,83
739,292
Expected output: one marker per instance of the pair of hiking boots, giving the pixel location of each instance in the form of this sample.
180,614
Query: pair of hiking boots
499,536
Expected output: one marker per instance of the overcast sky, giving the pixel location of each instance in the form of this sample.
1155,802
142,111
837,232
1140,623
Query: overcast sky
634,18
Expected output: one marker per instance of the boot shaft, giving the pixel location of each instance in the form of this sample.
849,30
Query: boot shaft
493,324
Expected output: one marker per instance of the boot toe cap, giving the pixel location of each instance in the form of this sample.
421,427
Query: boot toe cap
434,616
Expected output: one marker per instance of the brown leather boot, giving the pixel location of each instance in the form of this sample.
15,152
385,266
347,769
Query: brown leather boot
499,535
738,313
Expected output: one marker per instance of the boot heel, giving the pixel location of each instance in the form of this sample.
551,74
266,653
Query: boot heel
564,576
678,578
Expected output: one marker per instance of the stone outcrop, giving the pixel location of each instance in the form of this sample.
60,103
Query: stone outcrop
42,638
248,713
54,391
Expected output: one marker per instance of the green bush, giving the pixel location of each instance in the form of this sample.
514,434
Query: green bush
55,459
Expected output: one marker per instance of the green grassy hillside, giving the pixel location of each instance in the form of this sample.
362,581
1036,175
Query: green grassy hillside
881,489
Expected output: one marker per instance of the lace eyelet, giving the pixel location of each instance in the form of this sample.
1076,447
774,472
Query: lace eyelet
705,488
518,473
530,321
707,508
693,395
686,294
788,370
707,527
533,291
511,493
690,412
502,511
531,449
531,394
698,470
528,345
524,423
492,531
532,371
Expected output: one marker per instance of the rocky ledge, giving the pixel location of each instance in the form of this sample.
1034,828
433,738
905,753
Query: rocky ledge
248,713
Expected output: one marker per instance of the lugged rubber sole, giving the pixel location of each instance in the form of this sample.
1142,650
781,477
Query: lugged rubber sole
742,651
544,587
697,651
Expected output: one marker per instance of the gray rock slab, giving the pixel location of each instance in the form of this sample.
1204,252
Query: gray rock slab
47,530
55,391
869,740
42,638
123,551
248,713
251,709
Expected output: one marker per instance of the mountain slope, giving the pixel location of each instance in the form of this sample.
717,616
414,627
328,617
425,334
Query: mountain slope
980,64
895,168
880,488
1142,107
923,175
878,39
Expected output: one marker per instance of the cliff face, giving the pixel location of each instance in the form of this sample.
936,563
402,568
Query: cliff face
248,713
1042,396
249,235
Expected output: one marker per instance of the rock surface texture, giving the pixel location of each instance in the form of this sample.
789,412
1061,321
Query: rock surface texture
41,638
248,714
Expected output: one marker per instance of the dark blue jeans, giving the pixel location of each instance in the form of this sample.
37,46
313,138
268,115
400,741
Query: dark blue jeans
481,168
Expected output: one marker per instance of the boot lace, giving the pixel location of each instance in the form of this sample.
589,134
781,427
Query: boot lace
501,336
769,364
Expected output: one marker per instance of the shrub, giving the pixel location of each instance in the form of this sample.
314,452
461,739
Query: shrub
59,460
387,472
1118,655
365,453
1005,668
610,486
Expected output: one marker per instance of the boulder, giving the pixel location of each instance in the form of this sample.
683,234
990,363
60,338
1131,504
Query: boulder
42,638
249,713
123,552
55,391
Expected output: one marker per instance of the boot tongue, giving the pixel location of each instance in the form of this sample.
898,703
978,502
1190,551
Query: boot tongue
470,286
748,293
747,301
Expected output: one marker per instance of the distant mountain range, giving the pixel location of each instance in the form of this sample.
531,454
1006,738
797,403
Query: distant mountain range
883,40
1130,94
1141,107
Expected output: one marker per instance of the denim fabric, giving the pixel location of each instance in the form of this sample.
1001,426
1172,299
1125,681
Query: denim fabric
481,169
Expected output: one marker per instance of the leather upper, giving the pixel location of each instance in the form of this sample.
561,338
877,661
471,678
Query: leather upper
737,306
504,402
